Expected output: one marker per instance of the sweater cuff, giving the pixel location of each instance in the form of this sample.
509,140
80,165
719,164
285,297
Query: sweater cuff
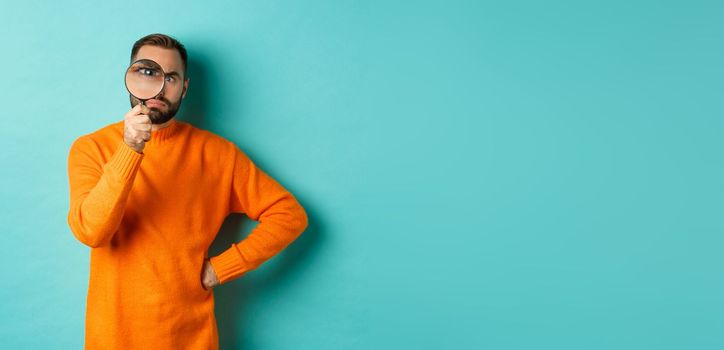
229,265
125,161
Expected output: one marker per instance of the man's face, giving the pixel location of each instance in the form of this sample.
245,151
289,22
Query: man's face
166,104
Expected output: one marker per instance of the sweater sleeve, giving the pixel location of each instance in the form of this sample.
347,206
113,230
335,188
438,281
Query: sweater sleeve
281,219
98,192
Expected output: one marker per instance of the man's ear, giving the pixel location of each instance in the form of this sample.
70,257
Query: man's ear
186,88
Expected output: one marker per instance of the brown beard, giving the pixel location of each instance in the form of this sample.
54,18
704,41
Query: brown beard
156,115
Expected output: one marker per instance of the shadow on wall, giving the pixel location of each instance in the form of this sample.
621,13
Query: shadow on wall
281,271
195,105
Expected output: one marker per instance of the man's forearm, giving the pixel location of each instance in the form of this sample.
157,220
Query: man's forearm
96,213
278,226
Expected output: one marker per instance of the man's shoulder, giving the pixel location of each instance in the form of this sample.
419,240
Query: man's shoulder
208,138
114,128
107,134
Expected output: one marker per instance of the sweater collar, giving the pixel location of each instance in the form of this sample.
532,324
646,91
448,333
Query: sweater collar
164,135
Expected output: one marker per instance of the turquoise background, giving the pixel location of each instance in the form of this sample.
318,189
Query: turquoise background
478,175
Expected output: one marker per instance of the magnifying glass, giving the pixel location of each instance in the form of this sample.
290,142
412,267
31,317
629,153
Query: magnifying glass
145,79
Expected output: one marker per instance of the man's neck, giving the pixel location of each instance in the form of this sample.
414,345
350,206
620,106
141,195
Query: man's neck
155,127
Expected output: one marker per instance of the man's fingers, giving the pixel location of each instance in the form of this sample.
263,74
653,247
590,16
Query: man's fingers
144,109
140,119
137,127
136,110
142,126
146,136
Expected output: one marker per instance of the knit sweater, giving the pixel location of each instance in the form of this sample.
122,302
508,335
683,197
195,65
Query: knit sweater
150,218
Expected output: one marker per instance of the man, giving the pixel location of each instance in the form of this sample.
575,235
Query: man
148,194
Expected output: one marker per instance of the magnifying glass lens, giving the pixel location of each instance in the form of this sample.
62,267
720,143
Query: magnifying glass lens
144,79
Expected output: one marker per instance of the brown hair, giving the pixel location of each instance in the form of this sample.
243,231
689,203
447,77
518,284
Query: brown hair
161,40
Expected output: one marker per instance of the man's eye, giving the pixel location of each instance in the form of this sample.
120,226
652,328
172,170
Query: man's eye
147,71
170,79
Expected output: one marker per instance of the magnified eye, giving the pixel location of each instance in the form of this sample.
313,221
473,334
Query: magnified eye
148,72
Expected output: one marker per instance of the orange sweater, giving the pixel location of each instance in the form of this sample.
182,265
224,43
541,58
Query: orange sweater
150,218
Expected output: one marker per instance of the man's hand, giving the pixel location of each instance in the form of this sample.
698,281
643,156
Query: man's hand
208,276
137,128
